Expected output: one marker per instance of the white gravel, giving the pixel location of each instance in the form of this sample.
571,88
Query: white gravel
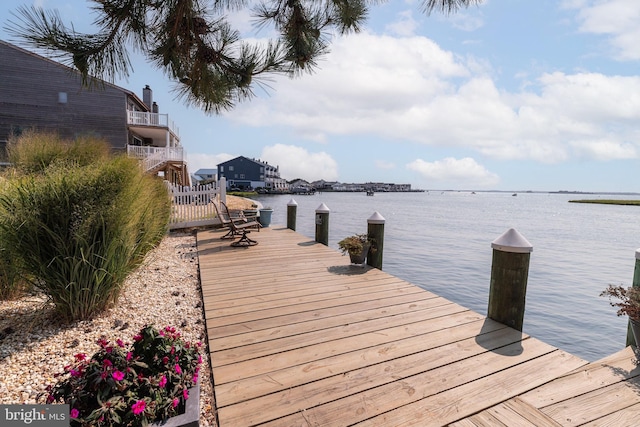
165,290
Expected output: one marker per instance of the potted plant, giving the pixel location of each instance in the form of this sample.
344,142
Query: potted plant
149,381
265,216
627,300
357,246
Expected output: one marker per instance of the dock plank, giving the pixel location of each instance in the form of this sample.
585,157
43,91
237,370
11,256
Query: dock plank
298,337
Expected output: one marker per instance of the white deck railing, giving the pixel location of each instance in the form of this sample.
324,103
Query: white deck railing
193,206
155,156
143,118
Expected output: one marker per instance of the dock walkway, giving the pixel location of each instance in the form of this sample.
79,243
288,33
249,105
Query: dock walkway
300,338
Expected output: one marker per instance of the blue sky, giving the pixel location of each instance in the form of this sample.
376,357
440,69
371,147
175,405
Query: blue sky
521,95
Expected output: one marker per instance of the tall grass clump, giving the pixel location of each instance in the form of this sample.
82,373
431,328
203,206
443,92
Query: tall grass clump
78,227
34,152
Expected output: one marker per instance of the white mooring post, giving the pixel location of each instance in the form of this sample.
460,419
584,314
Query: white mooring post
509,275
375,231
322,224
292,211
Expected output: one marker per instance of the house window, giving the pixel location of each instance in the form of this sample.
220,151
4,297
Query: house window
230,168
221,168
241,176
137,141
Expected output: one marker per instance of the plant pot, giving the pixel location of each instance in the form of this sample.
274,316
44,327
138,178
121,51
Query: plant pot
265,217
191,415
361,257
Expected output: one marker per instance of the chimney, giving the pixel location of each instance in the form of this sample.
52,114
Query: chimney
154,109
147,96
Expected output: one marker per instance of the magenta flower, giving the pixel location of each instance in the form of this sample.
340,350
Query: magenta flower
119,342
129,355
165,360
107,362
163,382
117,375
185,394
138,407
178,370
195,378
137,337
80,356
75,413
74,373
175,402
199,358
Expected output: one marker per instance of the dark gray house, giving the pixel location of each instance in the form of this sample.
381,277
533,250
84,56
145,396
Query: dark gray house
41,94
245,174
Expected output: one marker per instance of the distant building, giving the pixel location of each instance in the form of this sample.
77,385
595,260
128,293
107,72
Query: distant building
248,174
39,94
204,176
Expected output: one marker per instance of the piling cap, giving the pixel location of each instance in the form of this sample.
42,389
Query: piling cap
292,203
376,218
322,209
513,242
638,253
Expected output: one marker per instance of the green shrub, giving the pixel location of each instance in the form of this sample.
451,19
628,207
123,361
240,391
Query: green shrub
80,229
12,284
34,152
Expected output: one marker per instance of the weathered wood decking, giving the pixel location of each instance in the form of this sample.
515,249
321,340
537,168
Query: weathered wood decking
300,338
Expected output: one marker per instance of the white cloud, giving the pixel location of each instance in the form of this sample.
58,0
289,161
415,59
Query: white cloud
409,89
617,19
297,162
405,25
461,172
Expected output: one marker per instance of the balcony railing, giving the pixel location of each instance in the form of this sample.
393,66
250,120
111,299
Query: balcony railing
155,156
143,118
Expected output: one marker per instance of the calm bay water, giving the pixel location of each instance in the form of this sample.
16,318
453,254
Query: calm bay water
441,241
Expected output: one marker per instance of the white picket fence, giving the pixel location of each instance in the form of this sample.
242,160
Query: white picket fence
193,206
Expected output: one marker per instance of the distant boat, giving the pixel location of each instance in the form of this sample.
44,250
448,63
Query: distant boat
370,193
514,194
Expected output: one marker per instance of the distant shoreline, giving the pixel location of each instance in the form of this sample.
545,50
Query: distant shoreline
608,202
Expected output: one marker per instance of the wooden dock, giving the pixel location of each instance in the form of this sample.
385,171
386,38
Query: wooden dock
300,338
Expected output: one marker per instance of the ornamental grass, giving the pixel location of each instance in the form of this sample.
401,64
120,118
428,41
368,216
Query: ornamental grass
78,224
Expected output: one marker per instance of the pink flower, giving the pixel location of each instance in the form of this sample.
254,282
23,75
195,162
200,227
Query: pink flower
50,399
178,370
138,407
163,382
137,337
107,362
102,342
119,342
195,378
199,358
80,356
165,360
185,394
117,375
75,413
175,402
74,373
129,355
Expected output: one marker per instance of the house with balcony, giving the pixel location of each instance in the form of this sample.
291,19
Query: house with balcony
40,94
248,174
